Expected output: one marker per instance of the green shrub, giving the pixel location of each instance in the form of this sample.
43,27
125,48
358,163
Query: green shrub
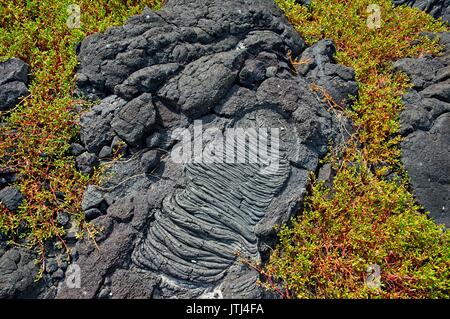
365,218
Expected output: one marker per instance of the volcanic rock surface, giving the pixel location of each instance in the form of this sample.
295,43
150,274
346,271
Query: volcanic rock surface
16,264
13,83
436,8
177,228
425,123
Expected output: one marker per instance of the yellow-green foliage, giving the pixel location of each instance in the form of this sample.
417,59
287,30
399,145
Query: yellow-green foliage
363,221
366,219
36,139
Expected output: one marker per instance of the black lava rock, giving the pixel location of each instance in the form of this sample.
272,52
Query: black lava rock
76,149
58,274
149,160
11,197
62,218
105,152
436,8
92,198
51,265
92,213
18,272
135,119
96,130
86,162
224,64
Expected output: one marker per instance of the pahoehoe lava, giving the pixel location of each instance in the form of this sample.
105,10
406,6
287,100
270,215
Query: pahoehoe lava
199,230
